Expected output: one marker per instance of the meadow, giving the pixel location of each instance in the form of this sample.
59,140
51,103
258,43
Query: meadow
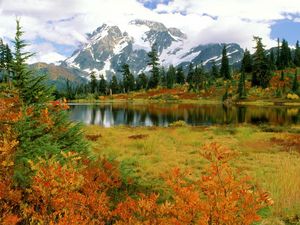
146,153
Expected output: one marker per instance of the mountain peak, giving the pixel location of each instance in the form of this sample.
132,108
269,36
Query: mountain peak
109,47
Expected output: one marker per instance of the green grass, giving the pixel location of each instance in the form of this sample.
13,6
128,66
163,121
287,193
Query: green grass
157,150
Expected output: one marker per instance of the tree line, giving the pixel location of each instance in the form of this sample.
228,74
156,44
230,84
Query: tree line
259,66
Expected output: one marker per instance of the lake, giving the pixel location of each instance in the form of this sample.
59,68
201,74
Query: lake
162,114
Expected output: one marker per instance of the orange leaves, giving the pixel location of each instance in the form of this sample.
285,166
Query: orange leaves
59,105
219,197
45,118
9,109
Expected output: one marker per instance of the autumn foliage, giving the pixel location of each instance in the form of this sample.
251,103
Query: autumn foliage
71,188
78,190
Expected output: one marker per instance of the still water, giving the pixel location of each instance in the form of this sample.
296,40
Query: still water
132,114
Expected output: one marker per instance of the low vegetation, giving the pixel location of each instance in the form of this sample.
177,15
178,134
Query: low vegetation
270,158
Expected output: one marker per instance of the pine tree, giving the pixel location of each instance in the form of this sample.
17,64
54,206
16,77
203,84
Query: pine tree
93,82
128,78
295,85
102,85
31,89
113,85
180,78
246,62
278,57
190,76
214,72
285,55
199,78
154,64
241,86
2,56
171,76
44,130
272,61
142,81
163,77
261,73
225,70
297,55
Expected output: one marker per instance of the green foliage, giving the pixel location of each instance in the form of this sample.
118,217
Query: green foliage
199,78
128,78
225,70
295,85
214,73
190,76
246,62
93,83
113,85
242,86
31,89
141,81
272,60
261,72
180,78
102,85
285,55
154,64
297,55
44,129
171,73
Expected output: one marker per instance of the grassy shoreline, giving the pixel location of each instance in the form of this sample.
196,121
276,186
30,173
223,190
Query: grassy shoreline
190,101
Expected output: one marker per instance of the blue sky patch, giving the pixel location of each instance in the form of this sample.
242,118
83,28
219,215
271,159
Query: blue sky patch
152,4
287,29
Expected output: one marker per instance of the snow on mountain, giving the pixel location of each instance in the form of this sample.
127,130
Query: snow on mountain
109,47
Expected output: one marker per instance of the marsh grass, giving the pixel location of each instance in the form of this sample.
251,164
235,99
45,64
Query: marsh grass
144,160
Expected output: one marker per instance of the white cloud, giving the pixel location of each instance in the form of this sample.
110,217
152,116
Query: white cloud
44,52
67,21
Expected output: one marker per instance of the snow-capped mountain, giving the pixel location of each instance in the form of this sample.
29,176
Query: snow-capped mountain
109,47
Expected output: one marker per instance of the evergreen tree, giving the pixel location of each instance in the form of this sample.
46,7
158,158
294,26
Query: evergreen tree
2,56
272,61
171,76
102,85
154,64
180,78
285,55
199,78
246,62
163,77
214,72
225,70
261,73
93,82
142,81
295,85
128,78
44,130
297,55
190,76
278,58
31,89
69,90
113,85
241,86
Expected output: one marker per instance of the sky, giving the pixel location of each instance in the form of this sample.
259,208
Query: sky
55,28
